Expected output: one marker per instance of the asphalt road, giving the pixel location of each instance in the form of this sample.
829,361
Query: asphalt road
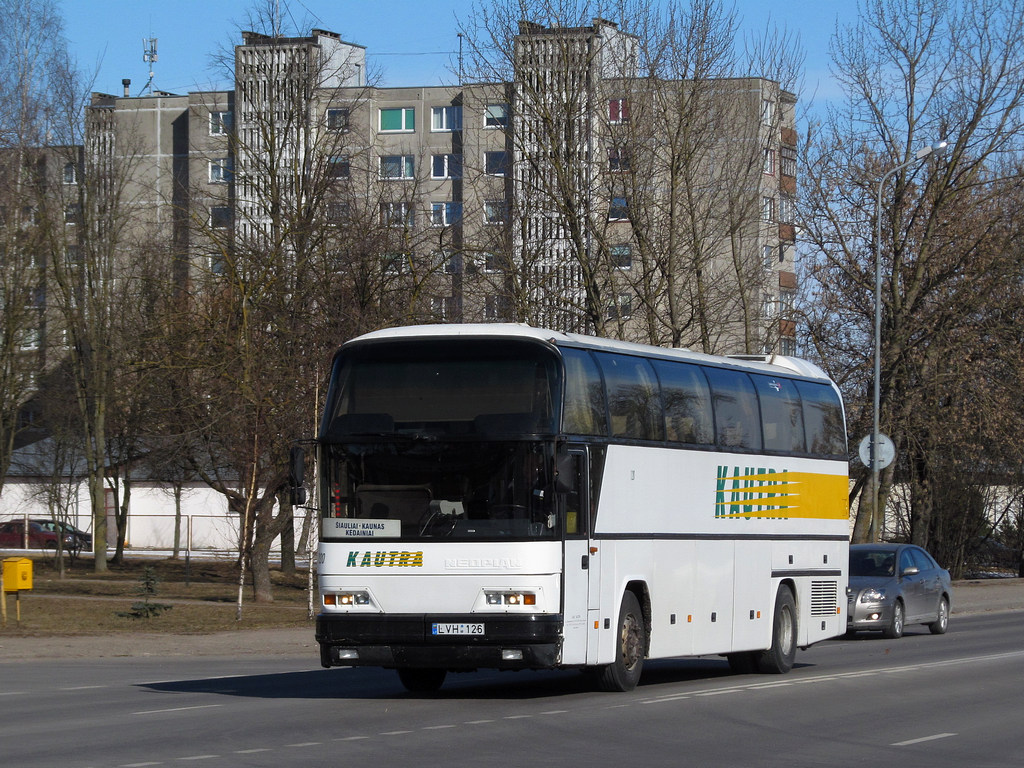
951,700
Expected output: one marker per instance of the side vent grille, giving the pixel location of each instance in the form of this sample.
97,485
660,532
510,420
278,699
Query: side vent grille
824,596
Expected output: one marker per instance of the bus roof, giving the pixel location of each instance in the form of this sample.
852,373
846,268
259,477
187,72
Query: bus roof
763,363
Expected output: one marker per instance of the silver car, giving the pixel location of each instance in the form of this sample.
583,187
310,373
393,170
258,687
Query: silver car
892,585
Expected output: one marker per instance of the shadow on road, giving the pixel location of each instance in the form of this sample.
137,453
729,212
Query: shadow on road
485,685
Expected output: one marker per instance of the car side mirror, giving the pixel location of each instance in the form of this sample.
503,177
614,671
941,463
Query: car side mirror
912,570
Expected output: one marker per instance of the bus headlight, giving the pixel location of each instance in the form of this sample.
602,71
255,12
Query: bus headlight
346,599
510,599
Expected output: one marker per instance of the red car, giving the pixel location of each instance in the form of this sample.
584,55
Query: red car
12,536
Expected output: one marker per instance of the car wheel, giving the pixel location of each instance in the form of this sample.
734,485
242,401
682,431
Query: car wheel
895,629
938,627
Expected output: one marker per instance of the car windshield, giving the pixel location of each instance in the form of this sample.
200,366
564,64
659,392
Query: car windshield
873,562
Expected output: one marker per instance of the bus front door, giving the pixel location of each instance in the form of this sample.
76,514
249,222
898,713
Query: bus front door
579,569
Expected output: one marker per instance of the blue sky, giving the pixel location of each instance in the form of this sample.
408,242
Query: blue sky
412,41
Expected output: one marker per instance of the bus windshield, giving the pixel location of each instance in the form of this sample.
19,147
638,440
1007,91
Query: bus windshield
412,489
441,438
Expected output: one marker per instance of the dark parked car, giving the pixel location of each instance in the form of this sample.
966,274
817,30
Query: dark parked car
12,535
892,585
80,540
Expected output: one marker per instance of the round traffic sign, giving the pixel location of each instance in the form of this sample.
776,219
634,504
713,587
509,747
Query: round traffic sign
886,451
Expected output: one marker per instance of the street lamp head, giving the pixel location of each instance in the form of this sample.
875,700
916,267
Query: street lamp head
938,149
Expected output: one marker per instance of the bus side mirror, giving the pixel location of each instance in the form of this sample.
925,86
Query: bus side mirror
297,474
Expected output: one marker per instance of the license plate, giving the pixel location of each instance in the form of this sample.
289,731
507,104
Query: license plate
457,629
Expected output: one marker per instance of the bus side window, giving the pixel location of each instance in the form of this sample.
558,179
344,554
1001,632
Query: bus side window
584,409
781,415
687,399
823,419
737,417
634,406
569,484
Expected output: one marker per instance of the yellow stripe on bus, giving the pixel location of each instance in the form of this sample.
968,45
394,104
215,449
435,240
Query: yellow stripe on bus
807,495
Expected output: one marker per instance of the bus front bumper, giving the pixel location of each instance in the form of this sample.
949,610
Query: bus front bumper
433,641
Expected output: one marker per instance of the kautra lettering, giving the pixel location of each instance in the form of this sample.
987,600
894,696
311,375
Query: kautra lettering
397,559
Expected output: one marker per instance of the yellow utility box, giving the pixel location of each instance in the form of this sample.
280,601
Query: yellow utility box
17,574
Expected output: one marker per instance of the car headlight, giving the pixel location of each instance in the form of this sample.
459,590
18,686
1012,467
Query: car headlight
872,595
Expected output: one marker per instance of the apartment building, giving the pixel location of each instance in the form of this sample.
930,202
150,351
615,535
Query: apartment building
559,198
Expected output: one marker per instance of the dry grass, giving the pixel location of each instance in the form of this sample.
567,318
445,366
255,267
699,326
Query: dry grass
203,597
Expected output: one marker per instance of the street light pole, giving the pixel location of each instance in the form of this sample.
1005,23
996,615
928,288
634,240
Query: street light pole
938,149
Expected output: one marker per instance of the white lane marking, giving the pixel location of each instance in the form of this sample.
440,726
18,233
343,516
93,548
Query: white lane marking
832,677
922,739
176,709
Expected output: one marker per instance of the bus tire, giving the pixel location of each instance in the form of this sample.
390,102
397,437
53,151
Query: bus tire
630,647
422,680
778,659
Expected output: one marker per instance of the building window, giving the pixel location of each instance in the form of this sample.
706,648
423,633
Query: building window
496,163
787,346
496,116
221,170
768,256
621,308
338,167
396,214
220,123
490,307
622,256
619,209
72,213
337,213
446,119
220,217
492,263
398,119
396,167
446,167
618,111
767,111
397,263
445,214
618,160
769,161
215,263
337,119
787,210
452,262
767,209
70,173
495,211
28,338
788,161
787,301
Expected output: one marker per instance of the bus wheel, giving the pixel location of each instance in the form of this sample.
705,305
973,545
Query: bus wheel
422,680
630,646
779,658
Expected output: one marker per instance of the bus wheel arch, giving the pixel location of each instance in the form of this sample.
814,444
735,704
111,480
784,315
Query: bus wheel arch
779,657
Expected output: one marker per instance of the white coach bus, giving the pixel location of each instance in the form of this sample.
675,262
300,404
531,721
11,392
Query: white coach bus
499,496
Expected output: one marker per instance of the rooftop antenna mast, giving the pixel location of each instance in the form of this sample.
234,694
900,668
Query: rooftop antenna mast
149,56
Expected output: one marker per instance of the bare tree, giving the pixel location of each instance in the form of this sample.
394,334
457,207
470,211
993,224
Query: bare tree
913,74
